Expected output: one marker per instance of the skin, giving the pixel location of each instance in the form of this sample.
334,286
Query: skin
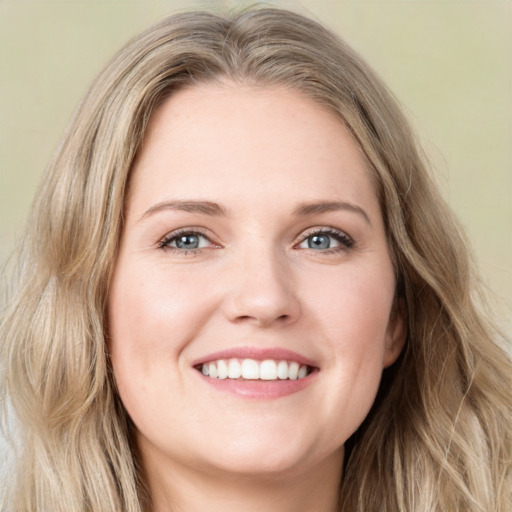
259,153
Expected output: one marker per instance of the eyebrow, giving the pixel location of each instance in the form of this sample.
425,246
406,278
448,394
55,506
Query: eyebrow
215,209
203,207
305,209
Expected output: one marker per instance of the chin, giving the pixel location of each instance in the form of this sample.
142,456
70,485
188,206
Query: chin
259,466
251,456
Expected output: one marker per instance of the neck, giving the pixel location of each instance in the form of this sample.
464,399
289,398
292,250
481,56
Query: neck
176,488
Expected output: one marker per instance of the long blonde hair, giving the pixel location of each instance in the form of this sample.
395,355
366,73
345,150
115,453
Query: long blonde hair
438,437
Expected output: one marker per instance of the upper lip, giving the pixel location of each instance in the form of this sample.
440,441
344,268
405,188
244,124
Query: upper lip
257,353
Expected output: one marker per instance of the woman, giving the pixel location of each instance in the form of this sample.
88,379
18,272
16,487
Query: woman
241,290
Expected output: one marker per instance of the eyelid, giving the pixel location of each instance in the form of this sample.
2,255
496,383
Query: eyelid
345,240
162,243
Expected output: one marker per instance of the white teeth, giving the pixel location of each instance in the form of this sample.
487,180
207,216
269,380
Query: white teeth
282,370
222,369
212,370
268,370
293,371
303,371
235,369
251,369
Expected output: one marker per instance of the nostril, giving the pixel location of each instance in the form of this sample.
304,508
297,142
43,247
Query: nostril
262,319
243,317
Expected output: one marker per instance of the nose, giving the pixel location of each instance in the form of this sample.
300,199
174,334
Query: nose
263,291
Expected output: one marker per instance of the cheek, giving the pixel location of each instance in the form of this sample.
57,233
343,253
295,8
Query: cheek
354,304
352,314
152,317
152,309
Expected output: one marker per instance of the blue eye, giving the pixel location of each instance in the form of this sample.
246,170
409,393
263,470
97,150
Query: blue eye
185,241
327,240
320,241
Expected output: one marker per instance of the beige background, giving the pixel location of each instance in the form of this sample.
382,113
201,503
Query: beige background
448,61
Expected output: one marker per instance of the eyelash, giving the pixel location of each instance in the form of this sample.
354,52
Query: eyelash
345,241
163,244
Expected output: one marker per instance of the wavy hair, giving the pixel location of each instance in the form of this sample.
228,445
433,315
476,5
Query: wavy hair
438,436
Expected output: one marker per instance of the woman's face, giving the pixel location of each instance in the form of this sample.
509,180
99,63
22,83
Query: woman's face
253,247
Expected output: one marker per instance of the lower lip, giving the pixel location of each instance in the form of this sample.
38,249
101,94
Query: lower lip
260,389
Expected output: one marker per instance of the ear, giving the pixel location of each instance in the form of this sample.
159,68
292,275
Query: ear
396,333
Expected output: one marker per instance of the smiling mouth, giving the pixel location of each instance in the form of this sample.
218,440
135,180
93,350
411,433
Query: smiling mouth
252,369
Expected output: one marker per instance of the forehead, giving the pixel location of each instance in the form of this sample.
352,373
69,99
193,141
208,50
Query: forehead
222,138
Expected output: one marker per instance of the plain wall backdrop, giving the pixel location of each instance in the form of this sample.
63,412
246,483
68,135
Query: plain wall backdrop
449,62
